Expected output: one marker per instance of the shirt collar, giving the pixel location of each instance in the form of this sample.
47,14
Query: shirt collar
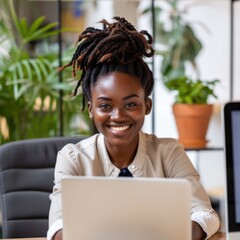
135,167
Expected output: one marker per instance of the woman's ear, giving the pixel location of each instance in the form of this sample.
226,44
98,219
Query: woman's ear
90,110
148,106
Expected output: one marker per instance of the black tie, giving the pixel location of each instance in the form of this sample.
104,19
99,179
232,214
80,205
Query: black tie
124,172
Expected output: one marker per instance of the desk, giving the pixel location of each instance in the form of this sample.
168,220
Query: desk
217,236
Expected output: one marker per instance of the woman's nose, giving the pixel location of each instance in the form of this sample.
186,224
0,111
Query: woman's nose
118,114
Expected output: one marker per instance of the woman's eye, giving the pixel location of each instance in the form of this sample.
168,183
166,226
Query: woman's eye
130,105
104,106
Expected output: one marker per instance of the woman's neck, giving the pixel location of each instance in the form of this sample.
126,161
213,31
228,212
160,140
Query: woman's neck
122,156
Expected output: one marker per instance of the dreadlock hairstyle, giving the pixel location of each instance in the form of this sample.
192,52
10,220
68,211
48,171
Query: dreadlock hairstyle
118,47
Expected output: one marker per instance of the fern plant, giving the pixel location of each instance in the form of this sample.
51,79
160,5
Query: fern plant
29,85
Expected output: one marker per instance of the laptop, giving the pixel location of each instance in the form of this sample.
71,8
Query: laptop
231,117
101,208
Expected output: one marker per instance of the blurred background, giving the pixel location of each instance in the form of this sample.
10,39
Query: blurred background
38,36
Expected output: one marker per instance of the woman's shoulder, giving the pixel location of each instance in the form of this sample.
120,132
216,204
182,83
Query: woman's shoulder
163,145
154,139
86,143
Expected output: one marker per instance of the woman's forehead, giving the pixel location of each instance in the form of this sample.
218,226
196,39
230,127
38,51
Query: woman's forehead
119,84
116,78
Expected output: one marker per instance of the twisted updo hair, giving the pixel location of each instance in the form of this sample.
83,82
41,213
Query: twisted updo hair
116,47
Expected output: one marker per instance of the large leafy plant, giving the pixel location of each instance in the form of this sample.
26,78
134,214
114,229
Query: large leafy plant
29,82
179,47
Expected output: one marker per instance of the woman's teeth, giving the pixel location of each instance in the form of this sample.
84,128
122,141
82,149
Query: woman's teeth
119,128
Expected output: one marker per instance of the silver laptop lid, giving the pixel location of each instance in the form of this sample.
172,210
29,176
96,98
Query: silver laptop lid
126,209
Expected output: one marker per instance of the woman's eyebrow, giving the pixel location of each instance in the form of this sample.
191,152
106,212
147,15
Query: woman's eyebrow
125,98
104,98
131,96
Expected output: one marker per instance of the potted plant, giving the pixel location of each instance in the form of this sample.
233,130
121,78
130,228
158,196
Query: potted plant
179,47
191,109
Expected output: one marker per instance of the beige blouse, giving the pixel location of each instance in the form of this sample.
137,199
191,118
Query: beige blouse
156,157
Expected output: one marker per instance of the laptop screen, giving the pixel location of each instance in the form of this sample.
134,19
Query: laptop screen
236,160
232,156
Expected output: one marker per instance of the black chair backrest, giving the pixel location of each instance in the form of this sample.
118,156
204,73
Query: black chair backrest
26,180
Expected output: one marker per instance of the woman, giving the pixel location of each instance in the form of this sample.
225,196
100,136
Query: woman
117,84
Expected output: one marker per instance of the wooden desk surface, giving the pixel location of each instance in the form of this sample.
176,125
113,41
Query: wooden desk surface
217,236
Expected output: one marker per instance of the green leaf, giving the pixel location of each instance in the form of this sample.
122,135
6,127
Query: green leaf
15,17
34,95
36,24
27,65
15,85
44,66
43,32
24,27
37,71
24,88
20,70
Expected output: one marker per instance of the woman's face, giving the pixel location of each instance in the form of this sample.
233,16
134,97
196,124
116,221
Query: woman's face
118,107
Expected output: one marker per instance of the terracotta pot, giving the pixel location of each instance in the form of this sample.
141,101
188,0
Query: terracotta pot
192,122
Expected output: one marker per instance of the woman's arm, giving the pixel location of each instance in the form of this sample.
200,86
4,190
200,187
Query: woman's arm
178,165
58,235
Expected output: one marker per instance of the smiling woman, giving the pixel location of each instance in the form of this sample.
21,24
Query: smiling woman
119,113
117,84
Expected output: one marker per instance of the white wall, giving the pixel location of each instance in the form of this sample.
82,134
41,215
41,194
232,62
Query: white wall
237,51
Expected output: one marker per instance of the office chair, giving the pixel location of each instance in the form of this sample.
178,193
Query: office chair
26,180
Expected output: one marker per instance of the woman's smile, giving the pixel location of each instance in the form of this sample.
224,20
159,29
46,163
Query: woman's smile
119,129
